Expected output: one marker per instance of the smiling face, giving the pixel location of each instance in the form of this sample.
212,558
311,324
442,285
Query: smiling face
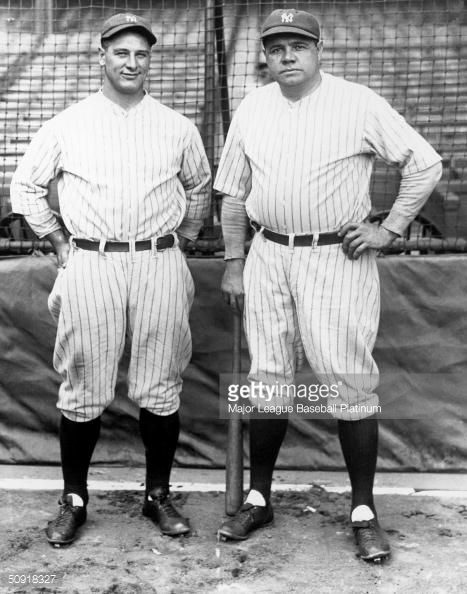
126,60
293,61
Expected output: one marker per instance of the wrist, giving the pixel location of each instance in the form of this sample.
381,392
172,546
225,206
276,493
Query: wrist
182,241
390,235
58,239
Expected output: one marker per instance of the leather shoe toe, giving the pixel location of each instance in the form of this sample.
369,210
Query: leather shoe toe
246,520
371,540
159,507
62,529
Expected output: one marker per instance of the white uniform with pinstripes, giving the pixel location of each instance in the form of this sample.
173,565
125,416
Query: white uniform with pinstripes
304,168
123,176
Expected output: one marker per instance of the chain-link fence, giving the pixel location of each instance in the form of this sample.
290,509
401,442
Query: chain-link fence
208,56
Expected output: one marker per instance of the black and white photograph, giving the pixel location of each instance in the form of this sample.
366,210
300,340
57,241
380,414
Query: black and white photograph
233,313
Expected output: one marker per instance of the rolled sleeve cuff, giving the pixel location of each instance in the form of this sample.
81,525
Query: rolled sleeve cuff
235,253
396,222
43,223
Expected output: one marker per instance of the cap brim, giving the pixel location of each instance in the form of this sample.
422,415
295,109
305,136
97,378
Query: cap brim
126,27
289,30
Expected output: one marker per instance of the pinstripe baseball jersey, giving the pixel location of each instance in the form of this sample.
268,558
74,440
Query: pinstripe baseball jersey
305,166
123,175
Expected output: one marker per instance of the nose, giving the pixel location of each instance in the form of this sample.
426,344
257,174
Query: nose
131,62
288,55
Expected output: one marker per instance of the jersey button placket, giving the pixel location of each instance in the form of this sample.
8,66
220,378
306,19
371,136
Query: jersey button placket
290,134
129,124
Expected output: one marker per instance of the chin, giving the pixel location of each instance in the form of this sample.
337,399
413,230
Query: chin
295,77
291,81
130,89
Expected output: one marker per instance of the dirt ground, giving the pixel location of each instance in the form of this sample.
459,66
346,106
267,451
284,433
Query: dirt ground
308,549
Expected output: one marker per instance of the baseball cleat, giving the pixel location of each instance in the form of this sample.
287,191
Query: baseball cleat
62,530
159,507
371,540
246,520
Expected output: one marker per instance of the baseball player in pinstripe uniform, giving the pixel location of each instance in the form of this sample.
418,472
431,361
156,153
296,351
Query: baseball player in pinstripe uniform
133,182
297,163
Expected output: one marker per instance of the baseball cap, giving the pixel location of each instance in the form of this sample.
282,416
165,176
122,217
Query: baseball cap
290,20
126,20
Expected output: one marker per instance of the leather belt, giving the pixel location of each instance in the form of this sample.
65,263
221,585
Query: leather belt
298,240
162,243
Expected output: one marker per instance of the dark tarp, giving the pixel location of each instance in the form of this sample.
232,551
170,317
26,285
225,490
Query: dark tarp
421,352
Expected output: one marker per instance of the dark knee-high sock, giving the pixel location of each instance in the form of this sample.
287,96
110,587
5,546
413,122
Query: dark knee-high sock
359,442
77,443
266,437
160,438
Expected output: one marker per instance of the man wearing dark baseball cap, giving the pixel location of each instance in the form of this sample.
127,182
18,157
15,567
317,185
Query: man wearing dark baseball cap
126,21
297,161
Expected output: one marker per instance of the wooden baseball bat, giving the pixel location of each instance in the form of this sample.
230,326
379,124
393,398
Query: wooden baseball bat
234,462
24,246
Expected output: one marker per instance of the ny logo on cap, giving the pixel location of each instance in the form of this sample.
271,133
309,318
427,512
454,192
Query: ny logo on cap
130,18
287,17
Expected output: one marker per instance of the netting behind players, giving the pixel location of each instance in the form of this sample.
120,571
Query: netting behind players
208,56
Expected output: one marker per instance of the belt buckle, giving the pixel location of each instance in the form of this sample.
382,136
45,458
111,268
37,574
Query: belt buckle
154,250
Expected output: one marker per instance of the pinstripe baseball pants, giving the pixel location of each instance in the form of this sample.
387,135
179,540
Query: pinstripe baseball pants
102,299
316,301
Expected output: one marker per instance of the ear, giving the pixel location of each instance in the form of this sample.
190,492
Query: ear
101,57
319,45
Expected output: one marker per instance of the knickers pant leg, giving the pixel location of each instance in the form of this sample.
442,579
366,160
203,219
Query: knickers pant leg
161,295
90,332
338,305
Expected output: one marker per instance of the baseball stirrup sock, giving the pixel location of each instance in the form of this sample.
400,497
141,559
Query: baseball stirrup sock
77,443
359,442
160,439
266,437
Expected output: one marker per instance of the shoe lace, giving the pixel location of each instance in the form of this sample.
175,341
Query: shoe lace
245,517
65,515
369,534
168,507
